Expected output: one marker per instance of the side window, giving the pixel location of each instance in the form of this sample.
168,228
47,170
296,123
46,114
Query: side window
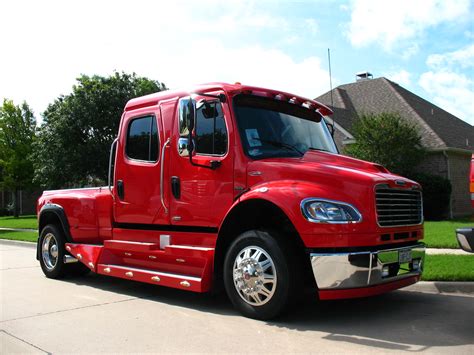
211,132
142,139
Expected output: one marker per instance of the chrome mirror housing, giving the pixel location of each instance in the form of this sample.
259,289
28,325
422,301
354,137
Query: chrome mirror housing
465,237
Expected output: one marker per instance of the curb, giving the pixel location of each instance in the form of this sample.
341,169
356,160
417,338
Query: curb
463,287
18,243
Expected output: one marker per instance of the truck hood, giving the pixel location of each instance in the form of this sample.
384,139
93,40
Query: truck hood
323,168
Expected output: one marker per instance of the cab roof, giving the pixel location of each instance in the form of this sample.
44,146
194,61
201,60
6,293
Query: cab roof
231,90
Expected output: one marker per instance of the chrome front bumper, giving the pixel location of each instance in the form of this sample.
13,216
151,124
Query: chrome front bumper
337,271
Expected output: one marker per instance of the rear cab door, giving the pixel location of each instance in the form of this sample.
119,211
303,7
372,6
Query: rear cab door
137,198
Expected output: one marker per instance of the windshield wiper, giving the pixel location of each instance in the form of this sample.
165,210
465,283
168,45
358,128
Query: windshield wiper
321,149
280,145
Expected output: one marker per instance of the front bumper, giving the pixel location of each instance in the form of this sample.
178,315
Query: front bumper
367,269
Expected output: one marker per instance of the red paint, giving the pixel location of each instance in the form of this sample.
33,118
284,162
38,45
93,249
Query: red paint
115,233
367,291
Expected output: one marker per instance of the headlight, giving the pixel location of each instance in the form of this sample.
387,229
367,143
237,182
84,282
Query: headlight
319,210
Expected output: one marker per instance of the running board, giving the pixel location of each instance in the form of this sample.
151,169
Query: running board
184,282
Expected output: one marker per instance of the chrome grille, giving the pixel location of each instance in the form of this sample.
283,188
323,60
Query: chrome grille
398,207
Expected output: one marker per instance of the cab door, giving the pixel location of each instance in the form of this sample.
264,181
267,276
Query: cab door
200,195
137,178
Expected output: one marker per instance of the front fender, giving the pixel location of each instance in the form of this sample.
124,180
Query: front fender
288,194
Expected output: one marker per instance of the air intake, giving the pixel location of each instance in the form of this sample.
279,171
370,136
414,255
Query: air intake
398,207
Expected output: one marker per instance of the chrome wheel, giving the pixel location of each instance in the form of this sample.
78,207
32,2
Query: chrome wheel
49,251
254,275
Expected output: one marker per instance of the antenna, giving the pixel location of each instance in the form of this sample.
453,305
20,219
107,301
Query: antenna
330,88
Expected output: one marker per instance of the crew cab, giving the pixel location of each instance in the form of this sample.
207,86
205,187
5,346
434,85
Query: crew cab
234,186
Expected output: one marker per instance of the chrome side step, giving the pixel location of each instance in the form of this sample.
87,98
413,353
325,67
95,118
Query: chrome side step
185,282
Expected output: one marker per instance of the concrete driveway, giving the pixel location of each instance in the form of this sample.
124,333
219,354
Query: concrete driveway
96,314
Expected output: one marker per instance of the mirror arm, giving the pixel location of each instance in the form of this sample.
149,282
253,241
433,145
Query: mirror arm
214,163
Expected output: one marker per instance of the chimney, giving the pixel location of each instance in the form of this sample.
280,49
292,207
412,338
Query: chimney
363,75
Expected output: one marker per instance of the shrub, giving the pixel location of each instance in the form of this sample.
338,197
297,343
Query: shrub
387,139
436,195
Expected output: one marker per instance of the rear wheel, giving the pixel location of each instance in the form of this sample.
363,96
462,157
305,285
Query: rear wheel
257,275
52,252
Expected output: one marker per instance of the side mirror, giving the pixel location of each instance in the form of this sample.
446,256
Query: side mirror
465,237
191,114
190,121
187,119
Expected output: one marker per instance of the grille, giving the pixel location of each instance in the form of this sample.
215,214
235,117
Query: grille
398,207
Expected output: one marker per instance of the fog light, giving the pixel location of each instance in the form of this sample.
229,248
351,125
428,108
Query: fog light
416,265
385,271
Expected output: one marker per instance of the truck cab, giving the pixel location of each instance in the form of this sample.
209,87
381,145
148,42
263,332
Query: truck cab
228,185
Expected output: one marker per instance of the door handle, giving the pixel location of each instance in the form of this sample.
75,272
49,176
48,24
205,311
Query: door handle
176,187
120,189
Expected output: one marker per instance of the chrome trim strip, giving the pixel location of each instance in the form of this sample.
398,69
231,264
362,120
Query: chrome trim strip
309,218
150,272
162,175
347,270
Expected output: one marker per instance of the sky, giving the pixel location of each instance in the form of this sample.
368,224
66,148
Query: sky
426,46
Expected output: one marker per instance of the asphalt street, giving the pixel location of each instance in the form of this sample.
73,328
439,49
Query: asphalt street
97,314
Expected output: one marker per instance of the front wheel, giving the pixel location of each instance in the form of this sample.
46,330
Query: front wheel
51,255
52,252
257,275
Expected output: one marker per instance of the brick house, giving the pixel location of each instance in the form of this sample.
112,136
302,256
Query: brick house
449,140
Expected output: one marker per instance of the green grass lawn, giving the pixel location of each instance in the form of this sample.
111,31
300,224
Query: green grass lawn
449,268
442,234
27,222
24,236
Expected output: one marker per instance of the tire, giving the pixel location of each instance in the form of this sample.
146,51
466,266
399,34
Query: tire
52,252
257,275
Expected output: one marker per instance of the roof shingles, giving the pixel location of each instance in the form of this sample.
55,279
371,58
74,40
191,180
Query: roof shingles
438,128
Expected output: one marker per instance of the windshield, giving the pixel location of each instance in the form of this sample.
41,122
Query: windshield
271,128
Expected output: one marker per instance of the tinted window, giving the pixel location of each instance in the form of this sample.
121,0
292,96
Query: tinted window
142,139
211,132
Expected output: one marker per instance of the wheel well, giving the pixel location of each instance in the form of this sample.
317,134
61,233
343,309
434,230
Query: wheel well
259,214
53,217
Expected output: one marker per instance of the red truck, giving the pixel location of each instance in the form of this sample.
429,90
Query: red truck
241,187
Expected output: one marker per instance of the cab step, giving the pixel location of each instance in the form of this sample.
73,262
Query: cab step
130,246
185,282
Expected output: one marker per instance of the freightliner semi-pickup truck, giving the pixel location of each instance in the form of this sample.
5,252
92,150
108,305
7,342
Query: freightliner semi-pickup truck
240,187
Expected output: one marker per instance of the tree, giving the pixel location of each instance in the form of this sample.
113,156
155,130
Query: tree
17,134
389,140
78,129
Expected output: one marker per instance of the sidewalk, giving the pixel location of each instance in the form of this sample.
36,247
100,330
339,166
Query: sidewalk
433,251
18,229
